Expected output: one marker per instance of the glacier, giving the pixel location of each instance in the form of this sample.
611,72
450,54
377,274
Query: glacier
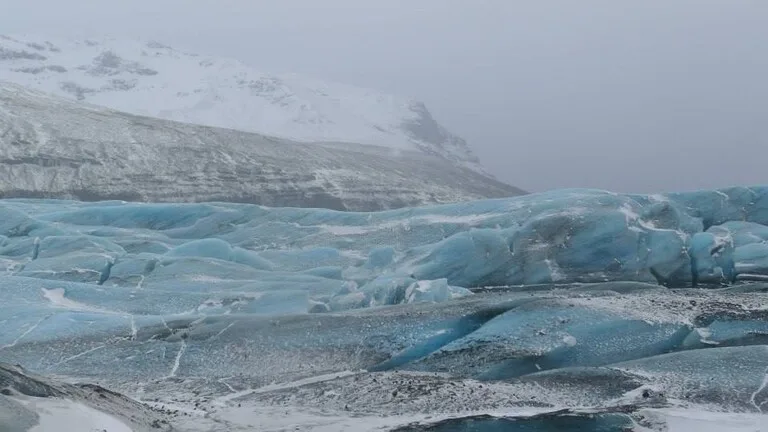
575,236
571,308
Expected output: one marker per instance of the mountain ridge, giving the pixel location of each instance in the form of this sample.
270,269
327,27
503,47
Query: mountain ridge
155,80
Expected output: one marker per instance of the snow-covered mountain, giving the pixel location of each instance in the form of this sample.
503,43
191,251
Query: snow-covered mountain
155,80
59,148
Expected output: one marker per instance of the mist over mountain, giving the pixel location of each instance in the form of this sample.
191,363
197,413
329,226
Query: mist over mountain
152,79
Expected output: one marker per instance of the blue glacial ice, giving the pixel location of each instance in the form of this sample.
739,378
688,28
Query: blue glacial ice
683,239
568,290
229,258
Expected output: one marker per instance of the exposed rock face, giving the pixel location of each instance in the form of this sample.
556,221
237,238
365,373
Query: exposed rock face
52,147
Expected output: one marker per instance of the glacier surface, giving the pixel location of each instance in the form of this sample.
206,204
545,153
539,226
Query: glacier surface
572,236
579,308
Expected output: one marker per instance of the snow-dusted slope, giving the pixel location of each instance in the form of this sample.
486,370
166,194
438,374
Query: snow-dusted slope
54,147
41,404
155,80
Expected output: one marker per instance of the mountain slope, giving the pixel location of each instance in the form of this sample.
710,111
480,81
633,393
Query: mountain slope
54,147
154,80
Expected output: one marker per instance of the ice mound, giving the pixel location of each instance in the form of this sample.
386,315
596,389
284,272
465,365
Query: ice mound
363,259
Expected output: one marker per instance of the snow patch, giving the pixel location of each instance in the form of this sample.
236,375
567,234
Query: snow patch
58,415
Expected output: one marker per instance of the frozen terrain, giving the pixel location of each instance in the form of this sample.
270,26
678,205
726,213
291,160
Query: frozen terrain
570,310
151,79
56,148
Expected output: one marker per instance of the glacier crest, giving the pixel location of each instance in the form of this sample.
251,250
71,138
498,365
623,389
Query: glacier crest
347,260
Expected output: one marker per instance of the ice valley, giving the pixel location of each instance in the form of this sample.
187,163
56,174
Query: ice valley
568,310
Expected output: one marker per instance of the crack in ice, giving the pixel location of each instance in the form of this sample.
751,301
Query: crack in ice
26,332
134,329
222,331
223,381
79,355
288,385
165,323
763,386
177,361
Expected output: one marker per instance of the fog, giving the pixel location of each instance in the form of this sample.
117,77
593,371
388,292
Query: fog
631,96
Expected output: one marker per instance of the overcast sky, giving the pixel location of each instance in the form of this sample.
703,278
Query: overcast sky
638,96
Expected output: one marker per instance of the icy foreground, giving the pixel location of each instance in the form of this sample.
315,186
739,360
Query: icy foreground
611,312
151,79
52,147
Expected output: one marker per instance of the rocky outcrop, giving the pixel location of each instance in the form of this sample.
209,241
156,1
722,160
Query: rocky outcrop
52,147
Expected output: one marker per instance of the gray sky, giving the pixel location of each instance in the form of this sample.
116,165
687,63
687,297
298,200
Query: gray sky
638,96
